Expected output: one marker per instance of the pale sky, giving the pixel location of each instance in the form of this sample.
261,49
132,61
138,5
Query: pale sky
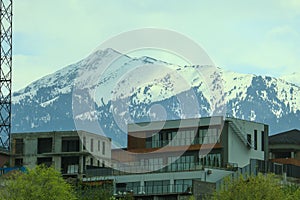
257,36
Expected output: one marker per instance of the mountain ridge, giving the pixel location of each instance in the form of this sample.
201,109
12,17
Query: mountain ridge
122,90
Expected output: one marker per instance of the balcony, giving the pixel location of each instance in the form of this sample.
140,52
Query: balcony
155,190
209,139
123,169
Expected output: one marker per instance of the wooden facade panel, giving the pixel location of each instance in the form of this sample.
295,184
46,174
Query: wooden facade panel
136,140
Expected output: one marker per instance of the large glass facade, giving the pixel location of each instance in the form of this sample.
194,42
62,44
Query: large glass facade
173,163
157,187
181,164
152,164
209,136
212,159
183,137
184,185
132,187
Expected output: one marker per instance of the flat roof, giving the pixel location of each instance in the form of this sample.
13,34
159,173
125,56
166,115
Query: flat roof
287,137
178,123
183,123
58,132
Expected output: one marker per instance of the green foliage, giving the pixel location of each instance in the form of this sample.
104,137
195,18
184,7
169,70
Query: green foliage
265,187
192,198
103,191
292,191
87,192
259,187
40,183
126,197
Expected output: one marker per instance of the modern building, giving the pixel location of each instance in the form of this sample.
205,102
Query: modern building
284,147
71,152
177,158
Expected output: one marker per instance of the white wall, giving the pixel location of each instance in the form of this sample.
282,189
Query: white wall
238,152
97,153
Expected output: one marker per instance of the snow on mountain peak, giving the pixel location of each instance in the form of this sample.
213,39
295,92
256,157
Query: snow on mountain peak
292,78
109,76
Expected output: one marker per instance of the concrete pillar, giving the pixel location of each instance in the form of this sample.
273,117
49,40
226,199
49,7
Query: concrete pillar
30,146
292,154
81,165
57,162
57,144
29,161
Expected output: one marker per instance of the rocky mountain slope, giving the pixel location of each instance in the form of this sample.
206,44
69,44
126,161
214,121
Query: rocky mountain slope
107,90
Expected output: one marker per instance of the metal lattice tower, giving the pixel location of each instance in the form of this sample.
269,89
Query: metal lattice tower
5,72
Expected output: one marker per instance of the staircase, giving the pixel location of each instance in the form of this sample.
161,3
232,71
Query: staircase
235,128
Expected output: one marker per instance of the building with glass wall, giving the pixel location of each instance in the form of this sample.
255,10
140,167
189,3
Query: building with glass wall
172,159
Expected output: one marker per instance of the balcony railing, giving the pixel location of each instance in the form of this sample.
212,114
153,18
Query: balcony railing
209,139
155,189
174,167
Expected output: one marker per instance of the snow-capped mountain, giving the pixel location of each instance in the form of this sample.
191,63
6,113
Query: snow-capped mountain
107,90
292,78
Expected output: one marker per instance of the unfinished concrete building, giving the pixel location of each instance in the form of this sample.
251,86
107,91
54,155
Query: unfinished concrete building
71,152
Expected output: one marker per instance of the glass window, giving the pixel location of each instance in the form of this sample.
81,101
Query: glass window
249,139
121,187
181,164
213,160
209,136
202,136
91,161
157,187
183,185
103,148
262,140
133,187
255,139
155,140
92,144
84,143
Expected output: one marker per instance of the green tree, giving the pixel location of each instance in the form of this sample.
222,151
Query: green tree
40,183
265,187
90,192
192,197
291,191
